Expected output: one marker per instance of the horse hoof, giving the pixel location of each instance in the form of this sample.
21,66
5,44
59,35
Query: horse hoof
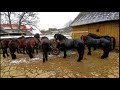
23,52
89,53
14,58
31,56
64,56
102,57
78,60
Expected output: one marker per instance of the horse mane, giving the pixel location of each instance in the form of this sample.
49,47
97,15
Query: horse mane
94,35
37,36
60,36
28,37
44,37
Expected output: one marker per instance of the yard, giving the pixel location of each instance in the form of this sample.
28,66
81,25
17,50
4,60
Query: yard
57,67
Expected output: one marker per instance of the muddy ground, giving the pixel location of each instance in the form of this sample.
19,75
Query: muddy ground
57,67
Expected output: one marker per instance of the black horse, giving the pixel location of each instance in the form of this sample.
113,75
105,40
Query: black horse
4,46
91,42
46,47
111,39
13,46
65,44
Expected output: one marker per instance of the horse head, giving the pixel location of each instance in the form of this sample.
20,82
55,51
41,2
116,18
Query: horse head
59,37
37,36
44,37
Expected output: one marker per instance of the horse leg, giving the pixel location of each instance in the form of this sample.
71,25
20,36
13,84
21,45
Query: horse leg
4,53
89,50
12,51
30,55
17,50
81,53
106,50
46,56
94,47
20,51
65,55
103,56
37,49
13,56
29,51
23,50
49,53
33,50
43,56
26,50
7,54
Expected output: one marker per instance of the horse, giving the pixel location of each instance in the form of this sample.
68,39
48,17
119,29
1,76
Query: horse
31,43
46,47
4,46
91,42
13,46
111,39
65,44
21,44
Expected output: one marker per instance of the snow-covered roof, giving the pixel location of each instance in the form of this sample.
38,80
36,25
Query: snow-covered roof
94,17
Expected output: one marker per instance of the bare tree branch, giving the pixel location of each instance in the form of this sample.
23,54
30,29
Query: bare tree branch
20,18
9,18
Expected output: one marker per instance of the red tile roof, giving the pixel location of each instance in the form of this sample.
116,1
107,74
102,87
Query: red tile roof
16,25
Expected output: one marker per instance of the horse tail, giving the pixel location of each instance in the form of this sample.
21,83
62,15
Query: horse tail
1,46
45,47
12,47
113,42
29,50
81,51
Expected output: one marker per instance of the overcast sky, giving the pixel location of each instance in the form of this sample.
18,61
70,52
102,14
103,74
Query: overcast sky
55,19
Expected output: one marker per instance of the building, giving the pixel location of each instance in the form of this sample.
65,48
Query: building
100,23
65,30
6,29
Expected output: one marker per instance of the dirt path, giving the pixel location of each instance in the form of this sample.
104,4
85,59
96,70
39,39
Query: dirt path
57,67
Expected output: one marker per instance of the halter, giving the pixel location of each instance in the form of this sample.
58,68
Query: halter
82,39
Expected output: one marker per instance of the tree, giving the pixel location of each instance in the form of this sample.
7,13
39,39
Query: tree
20,18
27,18
6,18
